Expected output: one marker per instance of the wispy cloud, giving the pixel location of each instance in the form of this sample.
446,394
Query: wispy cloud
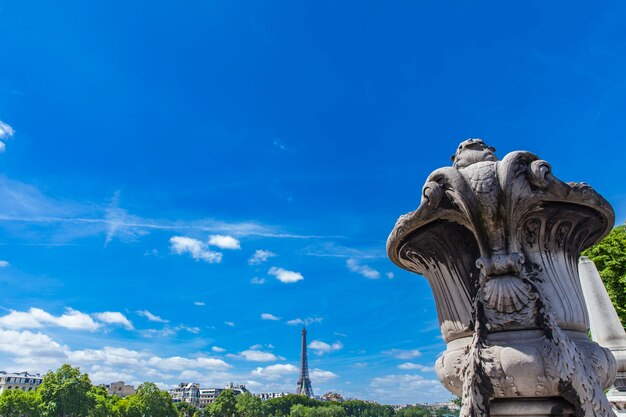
196,249
365,270
218,349
306,321
114,317
4,264
403,353
199,303
224,242
230,323
260,256
24,204
257,281
169,331
416,366
334,250
151,317
116,219
285,276
269,316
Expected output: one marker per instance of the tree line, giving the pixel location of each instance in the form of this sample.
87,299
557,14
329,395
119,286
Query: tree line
67,392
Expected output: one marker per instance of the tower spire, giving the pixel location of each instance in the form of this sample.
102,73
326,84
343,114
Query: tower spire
304,382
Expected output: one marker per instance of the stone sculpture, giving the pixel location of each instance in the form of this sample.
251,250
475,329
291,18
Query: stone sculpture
498,242
606,328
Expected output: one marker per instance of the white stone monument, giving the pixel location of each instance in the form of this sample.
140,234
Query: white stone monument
606,328
498,242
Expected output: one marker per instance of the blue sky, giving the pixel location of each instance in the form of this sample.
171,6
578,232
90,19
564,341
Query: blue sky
183,184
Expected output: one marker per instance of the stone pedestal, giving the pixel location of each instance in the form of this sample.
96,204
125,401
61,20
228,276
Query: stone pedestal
498,242
536,407
606,328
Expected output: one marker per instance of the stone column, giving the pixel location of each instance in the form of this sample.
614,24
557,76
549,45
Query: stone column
498,242
606,328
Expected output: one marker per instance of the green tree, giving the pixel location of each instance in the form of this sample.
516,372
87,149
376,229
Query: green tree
104,405
225,405
185,409
155,402
130,406
249,406
359,408
18,403
327,410
66,393
281,406
413,412
609,255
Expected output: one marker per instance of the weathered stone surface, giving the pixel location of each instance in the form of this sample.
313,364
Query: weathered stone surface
606,328
498,242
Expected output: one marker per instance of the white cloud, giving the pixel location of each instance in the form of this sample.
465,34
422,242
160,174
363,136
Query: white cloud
254,355
151,317
178,363
274,372
306,321
114,317
366,271
319,375
199,303
230,323
389,275
108,355
285,276
269,316
29,344
403,354
322,347
218,349
196,249
416,366
224,242
408,389
4,264
36,318
6,131
257,281
260,256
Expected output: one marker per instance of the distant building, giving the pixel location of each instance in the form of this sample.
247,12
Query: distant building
269,395
186,393
120,389
332,396
206,396
19,380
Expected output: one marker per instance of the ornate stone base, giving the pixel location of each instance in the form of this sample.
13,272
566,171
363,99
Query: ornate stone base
617,398
537,407
519,365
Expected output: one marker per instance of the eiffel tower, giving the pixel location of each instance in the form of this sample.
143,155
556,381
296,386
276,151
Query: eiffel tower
304,382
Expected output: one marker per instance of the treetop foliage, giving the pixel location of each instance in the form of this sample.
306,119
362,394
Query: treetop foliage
69,393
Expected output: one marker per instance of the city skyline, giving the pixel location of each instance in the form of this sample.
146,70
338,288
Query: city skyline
182,187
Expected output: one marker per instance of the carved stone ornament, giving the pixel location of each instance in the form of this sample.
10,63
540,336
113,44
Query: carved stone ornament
498,242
